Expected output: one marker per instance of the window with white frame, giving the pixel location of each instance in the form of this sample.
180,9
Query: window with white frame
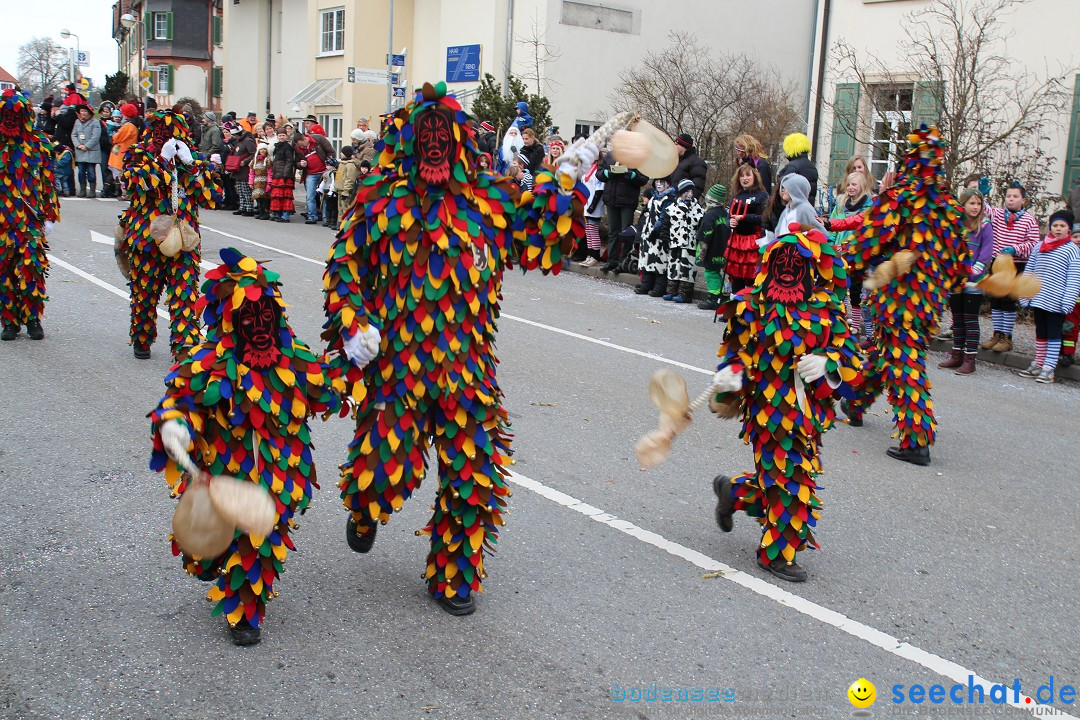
161,26
584,127
333,125
332,31
890,125
162,84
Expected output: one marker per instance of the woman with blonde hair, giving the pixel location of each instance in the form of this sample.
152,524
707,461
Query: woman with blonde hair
845,218
750,152
964,305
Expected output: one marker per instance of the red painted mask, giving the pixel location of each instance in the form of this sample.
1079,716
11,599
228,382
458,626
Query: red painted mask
13,115
788,277
160,134
258,333
434,145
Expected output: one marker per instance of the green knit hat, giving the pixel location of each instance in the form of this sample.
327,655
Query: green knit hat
717,193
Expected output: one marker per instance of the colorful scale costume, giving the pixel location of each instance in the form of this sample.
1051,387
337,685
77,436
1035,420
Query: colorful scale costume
791,310
27,202
245,396
917,215
148,179
421,255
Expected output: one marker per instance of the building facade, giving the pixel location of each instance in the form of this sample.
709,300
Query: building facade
174,47
870,119
294,56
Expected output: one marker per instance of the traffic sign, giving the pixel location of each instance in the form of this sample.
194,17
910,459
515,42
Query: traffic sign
398,60
462,63
84,84
372,76
145,84
399,92
351,74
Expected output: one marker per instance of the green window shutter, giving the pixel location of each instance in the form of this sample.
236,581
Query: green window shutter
148,26
845,120
925,108
172,75
215,84
1072,151
169,27
216,30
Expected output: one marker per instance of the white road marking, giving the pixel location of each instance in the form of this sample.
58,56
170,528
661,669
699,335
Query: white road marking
100,283
935,663
514,318
106,240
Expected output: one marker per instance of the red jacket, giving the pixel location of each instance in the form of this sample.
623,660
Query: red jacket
315,164
316,129
74,98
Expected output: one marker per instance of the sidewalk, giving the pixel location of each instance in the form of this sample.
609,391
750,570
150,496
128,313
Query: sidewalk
1018,359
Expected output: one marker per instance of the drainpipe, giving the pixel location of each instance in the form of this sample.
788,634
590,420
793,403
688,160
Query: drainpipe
509,45
269,48
810,64
820,91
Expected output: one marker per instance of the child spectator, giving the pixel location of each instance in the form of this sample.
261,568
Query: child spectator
713,234
682,219
259,180
594,213
283,178
523,119
747,208
965,304
1016,232
851,205
1071,329
519,173
345,181
654,241
328,193
64,170
1056,262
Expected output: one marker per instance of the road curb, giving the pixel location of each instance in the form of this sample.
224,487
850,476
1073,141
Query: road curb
1007,359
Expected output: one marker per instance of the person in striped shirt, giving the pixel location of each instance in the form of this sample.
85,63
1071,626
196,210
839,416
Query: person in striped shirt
1016,232
1071,331
1056,262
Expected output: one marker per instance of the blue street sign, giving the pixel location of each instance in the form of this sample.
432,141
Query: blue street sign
399,92
398,60
463,63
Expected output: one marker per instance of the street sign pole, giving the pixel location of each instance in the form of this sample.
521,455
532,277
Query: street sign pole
390,62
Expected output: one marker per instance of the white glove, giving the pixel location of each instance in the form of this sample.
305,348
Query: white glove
362,347
47,227
727,380
216,159
585,155
183,153
812,367
971,286
176,438
168,150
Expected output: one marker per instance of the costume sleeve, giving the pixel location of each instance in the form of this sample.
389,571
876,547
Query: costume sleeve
735,352
550,221
201,183
878,231
346,301
178,404
843,372
851,222
45,192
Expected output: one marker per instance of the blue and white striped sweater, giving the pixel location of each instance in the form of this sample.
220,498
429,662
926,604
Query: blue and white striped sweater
1059,272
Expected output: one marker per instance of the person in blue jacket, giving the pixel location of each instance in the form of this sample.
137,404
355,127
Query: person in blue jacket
523,119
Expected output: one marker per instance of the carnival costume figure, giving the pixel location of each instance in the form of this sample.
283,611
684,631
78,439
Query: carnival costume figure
914,229
28,209
163,176
413,285
239,402
788,352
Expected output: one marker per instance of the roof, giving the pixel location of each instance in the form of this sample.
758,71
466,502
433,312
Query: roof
7,77
319,92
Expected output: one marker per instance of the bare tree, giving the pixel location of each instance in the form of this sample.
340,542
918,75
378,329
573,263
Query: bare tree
712,96
990,108
539,54
42,66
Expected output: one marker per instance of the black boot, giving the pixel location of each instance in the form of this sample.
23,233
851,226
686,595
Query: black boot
458,606
360,542
33,329
648,280
725,502
243,633
915,455
142,352
10,332
845,407
91,190
711,302
660,288
685,292
780,568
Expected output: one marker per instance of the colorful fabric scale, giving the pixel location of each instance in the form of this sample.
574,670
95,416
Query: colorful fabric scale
784,418
27,201
917,215
423,261
248,423
148,179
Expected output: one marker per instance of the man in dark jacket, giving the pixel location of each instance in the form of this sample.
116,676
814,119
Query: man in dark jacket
65,123
691,165
622,188
533,150
797,151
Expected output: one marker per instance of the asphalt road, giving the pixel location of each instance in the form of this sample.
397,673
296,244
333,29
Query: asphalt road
926,575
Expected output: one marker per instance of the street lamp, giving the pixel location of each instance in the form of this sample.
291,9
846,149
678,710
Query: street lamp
129,21
71,65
